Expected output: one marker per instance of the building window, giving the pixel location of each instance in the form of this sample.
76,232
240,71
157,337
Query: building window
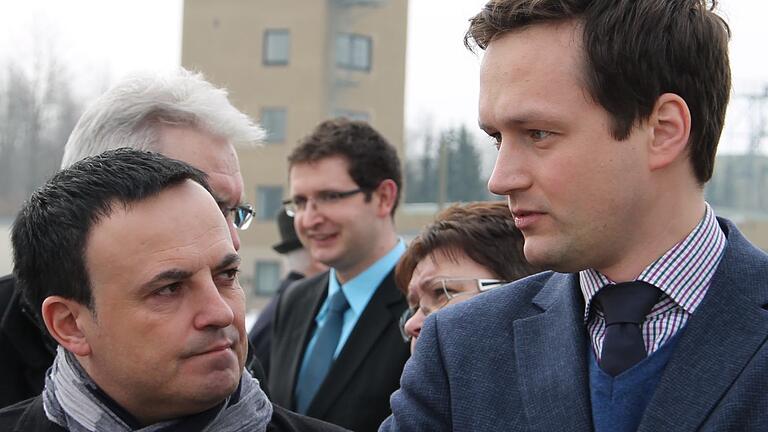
273,122
277,47
353,51
268,202
352,115
266,277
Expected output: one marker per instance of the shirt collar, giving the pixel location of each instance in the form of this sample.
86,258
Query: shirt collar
361,288
683,273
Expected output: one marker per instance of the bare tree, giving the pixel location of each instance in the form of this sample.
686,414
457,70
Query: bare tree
37,112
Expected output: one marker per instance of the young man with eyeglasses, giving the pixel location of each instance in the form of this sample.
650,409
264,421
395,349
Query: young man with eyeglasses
337,352
179,115
469,249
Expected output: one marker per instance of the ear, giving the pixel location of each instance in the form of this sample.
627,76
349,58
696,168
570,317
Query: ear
64,320
670,122
387,193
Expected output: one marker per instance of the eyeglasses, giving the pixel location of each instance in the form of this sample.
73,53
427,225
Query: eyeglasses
442,292
298,204
241,216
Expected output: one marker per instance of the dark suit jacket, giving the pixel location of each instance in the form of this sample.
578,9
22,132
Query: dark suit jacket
260,335
355,394
515,359
26,351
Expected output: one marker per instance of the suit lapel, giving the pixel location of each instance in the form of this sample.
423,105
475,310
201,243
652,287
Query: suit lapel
302,322
551,349
376,318
720,338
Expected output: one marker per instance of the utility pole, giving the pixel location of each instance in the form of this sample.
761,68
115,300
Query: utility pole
442,172
757,133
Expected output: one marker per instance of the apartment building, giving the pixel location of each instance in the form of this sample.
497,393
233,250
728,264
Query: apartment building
292,64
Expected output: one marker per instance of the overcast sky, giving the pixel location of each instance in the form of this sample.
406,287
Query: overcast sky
102,40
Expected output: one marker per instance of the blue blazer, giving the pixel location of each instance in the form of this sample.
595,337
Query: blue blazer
515,359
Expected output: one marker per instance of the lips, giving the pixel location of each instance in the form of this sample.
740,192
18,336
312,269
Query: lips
525,219
226,339
217,357
219,347
322,238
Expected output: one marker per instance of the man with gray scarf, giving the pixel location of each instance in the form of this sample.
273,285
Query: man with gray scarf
130,264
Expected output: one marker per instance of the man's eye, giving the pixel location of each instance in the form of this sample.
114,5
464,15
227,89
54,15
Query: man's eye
232,273
168,290
328,196
300,201
538,135
228,276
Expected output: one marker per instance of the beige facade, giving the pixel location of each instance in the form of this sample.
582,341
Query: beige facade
301,61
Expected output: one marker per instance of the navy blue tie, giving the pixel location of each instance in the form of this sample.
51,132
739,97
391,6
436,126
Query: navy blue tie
319,361
625,306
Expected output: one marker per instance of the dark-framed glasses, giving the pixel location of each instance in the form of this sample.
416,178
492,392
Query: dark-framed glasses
322,199
241,216
441,292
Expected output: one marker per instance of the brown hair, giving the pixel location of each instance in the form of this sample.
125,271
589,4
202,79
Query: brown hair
370,157
636,50
483,231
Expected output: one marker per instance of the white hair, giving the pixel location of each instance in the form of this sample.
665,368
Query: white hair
128,115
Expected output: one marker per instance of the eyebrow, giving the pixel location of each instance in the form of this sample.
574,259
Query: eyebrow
428,283
227,261
171,275
221,202
224,204
435,281
325,191
534,114
175,275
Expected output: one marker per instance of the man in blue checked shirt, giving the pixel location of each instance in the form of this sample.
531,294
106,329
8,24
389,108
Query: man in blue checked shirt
606,116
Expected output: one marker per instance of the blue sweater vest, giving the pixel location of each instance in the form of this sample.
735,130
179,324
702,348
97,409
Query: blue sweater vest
618,403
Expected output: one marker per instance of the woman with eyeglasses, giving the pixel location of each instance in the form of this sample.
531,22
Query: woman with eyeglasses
467,250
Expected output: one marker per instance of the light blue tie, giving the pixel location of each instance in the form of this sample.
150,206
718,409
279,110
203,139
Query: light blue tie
319,361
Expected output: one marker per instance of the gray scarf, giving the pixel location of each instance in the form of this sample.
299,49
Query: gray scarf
70,401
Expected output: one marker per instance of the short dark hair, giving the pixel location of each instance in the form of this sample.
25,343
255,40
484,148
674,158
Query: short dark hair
50,232
372,159
483,231
636,50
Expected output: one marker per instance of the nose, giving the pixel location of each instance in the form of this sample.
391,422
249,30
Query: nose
413,325
213,311
509,173
310,216
234,235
